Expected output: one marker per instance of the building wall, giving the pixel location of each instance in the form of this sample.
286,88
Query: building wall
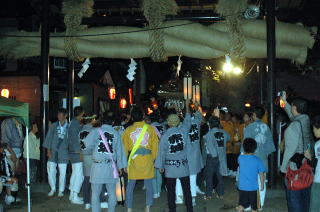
24,89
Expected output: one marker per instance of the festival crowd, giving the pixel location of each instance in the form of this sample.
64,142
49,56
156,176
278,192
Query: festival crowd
180,153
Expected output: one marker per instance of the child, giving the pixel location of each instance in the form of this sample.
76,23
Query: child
34,151
250,166
173,159
6,176
315,191
216,161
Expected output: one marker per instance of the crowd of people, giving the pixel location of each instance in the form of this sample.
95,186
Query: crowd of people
180,153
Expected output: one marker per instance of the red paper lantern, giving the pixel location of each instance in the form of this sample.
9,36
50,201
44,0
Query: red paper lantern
112,93
123,103
130,96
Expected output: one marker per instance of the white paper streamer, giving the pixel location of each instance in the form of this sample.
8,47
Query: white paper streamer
131,70
179,66
84,68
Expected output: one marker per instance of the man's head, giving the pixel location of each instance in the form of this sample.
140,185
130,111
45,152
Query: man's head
249,145
62,114
228,116
137,114
299,106
214,122
173,120
246,118
258,113
108,118
316,126
78,112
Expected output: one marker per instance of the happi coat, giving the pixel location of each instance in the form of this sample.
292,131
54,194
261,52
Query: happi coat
215,145
86,153
56,142
173,151
142,166
102,170
261,133
73,140
195,157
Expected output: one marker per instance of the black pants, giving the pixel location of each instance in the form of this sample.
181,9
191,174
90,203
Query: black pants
171,194
232,161
200,178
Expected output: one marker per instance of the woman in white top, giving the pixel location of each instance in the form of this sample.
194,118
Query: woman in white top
34,151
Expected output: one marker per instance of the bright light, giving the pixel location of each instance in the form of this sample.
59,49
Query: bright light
112,93
247,105
227,67
123,103
5,93
237,70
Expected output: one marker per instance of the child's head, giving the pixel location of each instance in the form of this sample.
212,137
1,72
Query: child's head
316,126
249,145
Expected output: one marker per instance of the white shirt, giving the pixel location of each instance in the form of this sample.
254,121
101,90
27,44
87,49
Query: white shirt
62,129
317,154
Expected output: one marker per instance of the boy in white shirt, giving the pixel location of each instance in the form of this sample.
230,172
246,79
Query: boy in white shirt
315,191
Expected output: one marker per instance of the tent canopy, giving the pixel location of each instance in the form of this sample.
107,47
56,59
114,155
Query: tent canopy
9,107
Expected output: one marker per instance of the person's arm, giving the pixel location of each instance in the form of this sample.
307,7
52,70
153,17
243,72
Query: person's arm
292,137
154,142
91,140
262,178
121,155
287,106
48,140
163,148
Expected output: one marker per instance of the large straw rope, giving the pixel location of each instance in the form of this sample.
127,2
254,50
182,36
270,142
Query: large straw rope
155,12
74,11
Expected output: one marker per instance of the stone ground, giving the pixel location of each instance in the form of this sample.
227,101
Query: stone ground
275,201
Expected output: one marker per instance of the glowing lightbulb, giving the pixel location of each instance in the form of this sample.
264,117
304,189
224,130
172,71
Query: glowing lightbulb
237,70
227,67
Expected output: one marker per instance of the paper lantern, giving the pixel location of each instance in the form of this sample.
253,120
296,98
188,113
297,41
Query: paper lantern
5,93
187,86
112,93
196,92
130,96
123,103
120,191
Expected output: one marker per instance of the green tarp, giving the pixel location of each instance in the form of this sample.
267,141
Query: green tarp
9,107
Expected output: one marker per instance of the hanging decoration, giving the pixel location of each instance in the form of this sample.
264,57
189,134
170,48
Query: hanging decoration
179,63
187,86
131,70
233,11
196,92
155,12
130,96
84,68
112,93
123,103
74,11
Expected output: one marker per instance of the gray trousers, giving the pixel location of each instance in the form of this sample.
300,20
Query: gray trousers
130,189
213,168
95,197
86,188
